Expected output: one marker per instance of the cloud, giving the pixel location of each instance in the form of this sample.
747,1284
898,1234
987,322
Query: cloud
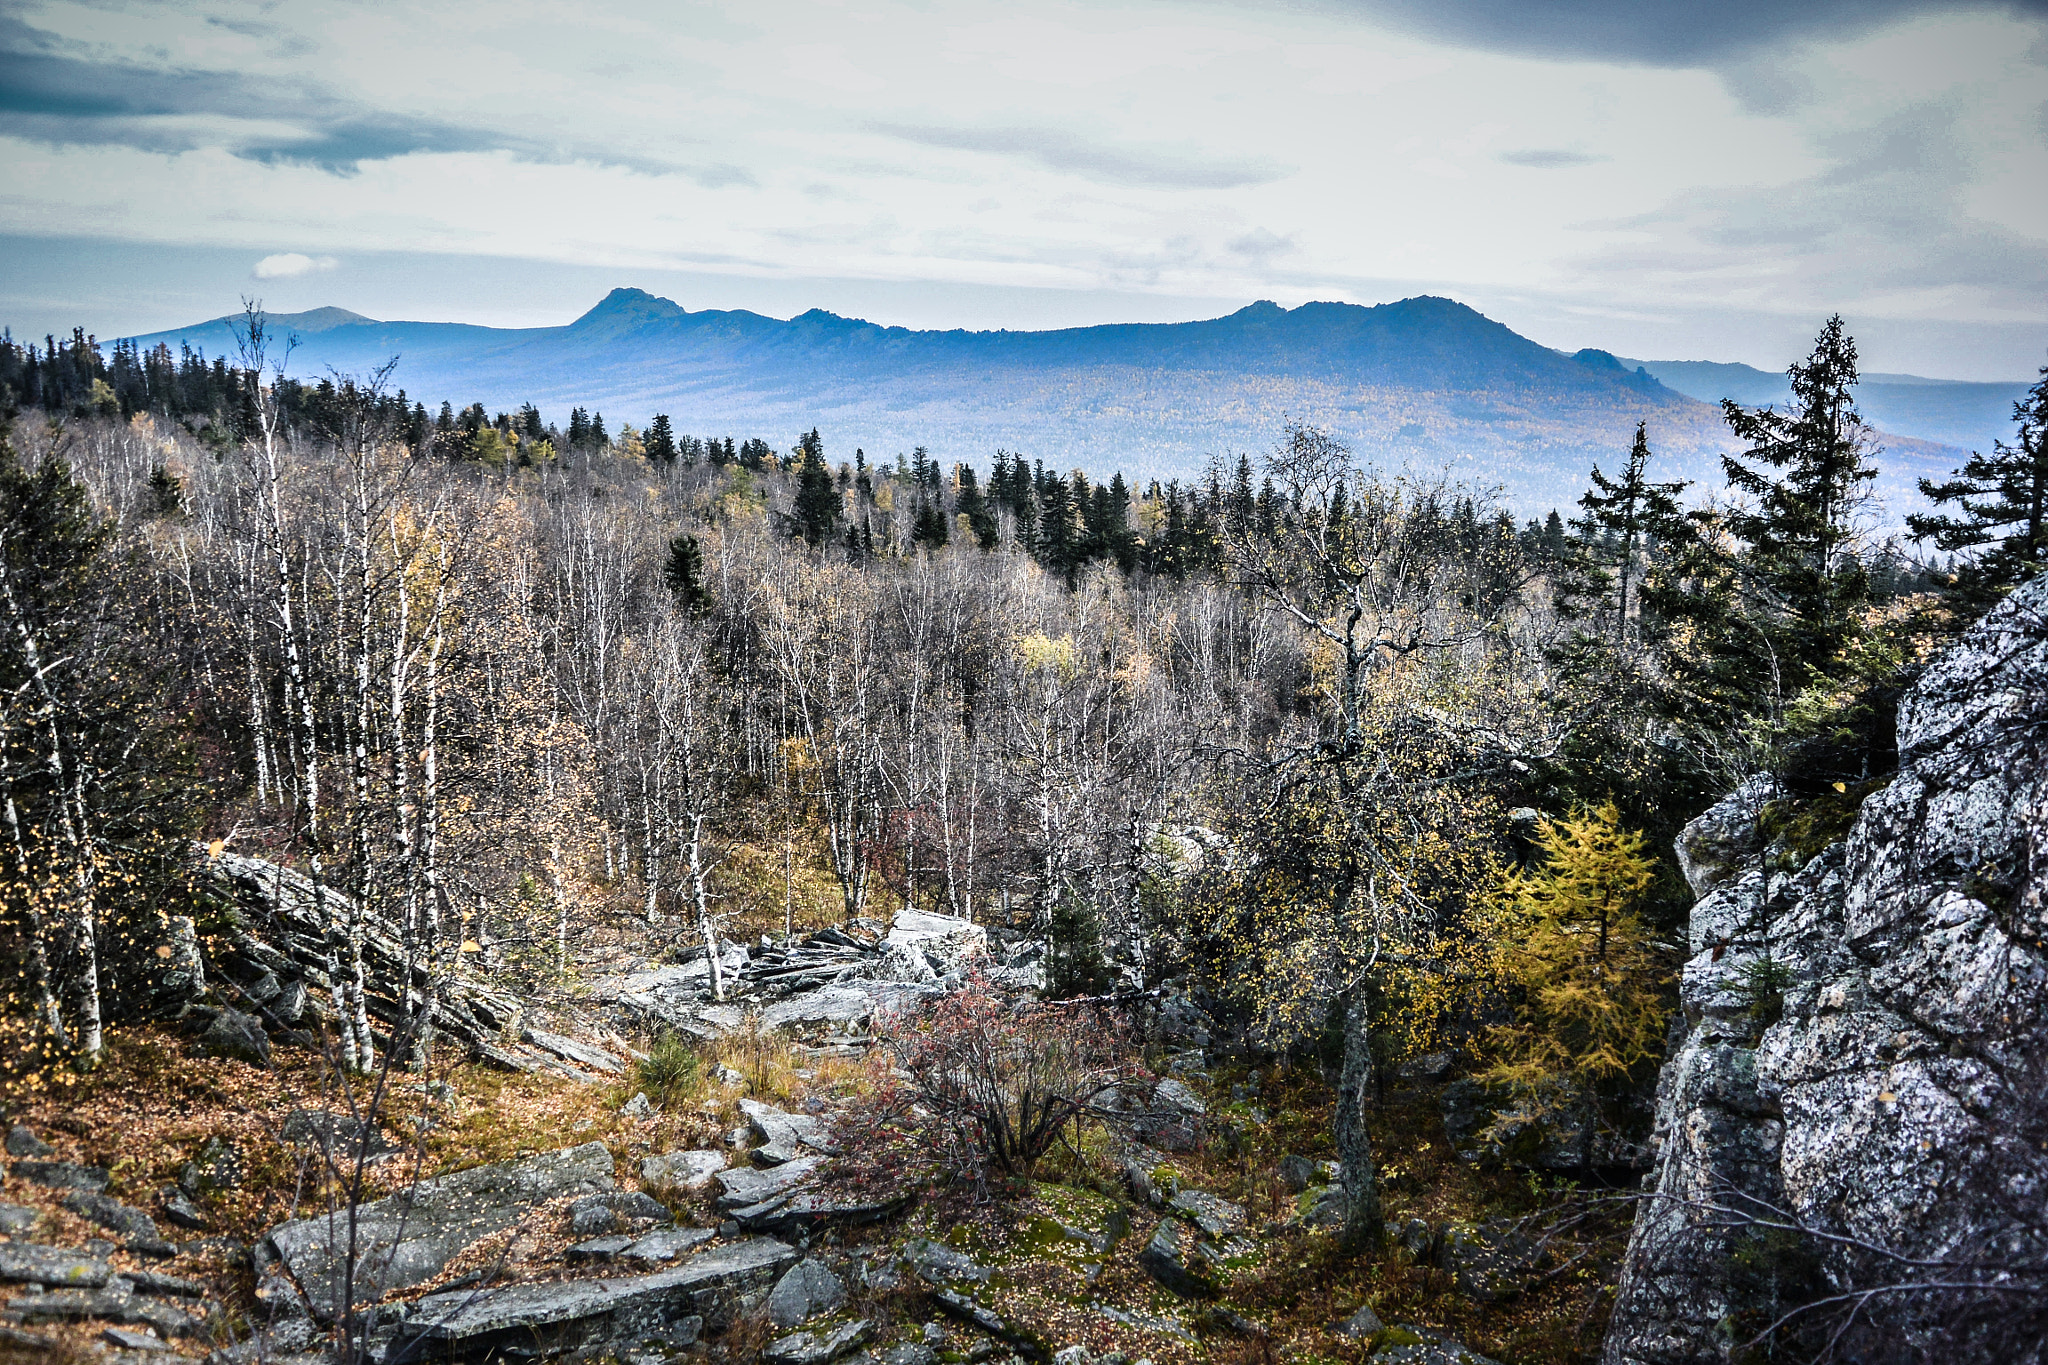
50,95
290,265
1888,216
1058,150
1548,158
1673,33
1260,245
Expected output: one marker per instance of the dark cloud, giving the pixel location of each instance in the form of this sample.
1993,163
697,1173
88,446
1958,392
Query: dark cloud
1549,158
49,94
1675,33
1063,151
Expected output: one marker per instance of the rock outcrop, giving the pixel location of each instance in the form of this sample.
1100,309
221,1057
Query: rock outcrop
1866,1033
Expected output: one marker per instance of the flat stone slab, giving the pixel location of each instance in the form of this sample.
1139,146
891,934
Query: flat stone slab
817,1348
408,1238
63,1175
598,1248
16,1219
686,1169
112,1214
1216,1217
783,1134
744,1186
825,1005
665,1244
31,1263
545,1320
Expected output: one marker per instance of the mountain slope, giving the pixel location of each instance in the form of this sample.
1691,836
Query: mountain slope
1951,411
1425,383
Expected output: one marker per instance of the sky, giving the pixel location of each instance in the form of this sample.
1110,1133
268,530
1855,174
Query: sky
1665,179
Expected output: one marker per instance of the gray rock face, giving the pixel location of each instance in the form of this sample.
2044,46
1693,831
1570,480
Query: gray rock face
547,1321
808,1289
54,1267
665,1244
409,1237
784,1136
236,1035
1489,1263
949,946
1178,1260
1362,1324
1864,1034
22,1141
685,1170
63,1175
745,1186
817,1348
179,1208
111,1214
1216,1217
17,1219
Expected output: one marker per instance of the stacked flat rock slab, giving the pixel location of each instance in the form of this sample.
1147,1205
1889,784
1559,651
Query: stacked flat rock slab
835,981
1881,1104
410,1237
550,1320
273,954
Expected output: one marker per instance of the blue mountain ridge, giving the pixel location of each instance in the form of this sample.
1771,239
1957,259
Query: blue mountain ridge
1426,384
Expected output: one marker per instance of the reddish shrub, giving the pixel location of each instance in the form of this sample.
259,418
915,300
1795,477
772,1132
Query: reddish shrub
978,1085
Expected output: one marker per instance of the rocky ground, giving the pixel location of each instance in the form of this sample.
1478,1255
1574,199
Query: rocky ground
535,1203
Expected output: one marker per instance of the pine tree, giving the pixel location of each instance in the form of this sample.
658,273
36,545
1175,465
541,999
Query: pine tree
597,432
817,497
2003,498
1806,581
661,441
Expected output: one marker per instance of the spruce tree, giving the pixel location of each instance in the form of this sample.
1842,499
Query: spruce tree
974,506
684,574
1807,473
817,497
2003,500
1623,517
1058,538
661,441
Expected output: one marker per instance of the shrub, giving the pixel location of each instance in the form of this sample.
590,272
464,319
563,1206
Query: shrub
976,1086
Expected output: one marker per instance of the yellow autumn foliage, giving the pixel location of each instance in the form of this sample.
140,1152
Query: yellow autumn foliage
1576,956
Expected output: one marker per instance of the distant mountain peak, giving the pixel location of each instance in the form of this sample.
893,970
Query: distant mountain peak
629,305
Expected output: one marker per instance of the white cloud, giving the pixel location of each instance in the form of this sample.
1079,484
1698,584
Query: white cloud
290,265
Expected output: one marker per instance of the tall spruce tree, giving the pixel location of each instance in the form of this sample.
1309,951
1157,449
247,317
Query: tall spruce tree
2003,501
974,506
817,496
661,441
1806,474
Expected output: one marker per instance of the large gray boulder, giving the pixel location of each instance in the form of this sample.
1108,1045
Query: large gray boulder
806,1290
948,946
410,1237
1863,1040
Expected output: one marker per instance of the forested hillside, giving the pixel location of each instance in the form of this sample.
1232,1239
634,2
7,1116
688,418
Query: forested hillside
1298,836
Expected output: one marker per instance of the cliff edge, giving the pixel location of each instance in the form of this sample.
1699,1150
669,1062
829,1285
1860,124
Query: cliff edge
1854,1128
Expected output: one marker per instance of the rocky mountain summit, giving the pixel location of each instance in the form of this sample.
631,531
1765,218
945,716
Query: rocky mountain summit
1857,1118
